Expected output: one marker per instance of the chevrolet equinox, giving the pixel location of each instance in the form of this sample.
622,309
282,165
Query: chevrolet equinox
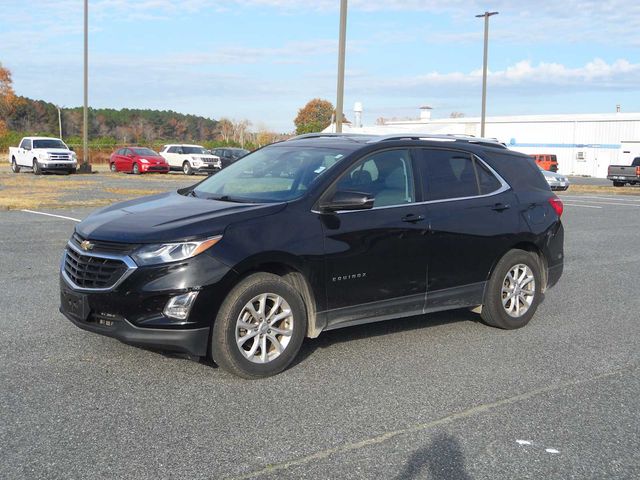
315,233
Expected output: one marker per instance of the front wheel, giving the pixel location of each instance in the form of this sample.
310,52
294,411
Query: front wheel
618,184
514,291
36,167
259,327
14,166
186,168
136,169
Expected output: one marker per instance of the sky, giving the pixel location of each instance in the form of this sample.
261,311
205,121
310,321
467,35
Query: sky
262,60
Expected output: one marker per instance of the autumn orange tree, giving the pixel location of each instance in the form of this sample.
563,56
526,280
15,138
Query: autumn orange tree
315,116
8,99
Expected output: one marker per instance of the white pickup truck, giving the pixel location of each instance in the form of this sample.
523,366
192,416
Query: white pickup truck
42,154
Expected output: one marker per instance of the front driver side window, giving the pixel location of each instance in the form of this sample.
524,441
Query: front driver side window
387,176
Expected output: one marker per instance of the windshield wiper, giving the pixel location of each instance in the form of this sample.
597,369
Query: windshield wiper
227,198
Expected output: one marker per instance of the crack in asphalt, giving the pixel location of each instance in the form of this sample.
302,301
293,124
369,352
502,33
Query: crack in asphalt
272,468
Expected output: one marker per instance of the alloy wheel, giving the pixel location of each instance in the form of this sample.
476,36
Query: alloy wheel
518,290
264,328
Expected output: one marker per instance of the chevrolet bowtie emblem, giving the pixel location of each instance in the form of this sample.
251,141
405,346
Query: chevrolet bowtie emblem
86,245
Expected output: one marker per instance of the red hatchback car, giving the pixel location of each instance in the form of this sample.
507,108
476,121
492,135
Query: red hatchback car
137,160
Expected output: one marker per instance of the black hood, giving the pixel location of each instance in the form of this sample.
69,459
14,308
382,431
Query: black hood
168,217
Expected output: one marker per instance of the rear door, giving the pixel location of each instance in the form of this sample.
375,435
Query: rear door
473,220
376,259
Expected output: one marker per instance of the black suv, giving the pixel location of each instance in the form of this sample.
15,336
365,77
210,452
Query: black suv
316,233
229,155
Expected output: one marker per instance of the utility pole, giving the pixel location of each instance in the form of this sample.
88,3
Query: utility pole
486,16
59,122
86,167
341,55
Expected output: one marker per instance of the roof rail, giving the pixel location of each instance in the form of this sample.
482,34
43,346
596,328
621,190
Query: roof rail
487,142
328,135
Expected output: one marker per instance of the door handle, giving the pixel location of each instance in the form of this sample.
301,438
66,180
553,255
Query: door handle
412,218
499,207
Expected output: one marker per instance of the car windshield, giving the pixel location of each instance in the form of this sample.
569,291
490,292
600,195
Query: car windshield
145,151
198,150
49,143
272,174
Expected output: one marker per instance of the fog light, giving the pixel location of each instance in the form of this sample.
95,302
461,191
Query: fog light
180,306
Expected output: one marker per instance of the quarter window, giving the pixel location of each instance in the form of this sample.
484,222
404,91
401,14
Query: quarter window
26,144
387,176
451,174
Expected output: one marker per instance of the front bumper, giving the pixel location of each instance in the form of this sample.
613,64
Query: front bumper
149,168
189,341
49,165
132,309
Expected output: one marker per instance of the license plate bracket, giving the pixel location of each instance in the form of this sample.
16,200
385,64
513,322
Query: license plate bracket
75,304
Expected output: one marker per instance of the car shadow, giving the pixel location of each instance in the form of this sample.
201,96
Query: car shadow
386,327
442,459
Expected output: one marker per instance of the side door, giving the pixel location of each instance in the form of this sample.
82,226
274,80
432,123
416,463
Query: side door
171,155
474,220
117,159
125,159
375,260
24,153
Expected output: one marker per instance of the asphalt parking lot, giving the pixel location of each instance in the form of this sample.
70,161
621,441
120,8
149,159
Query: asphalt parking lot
441,397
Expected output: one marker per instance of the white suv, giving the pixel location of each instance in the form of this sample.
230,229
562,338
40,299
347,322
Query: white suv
190,159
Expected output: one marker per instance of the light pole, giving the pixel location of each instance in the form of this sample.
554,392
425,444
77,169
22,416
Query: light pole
59,122
86,167
341,55
486,16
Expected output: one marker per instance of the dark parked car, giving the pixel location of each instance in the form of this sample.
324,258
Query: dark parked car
317,233
137,160
229,155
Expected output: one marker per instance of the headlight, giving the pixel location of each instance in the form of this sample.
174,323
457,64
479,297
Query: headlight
43,156
172,252
74,156
549,180
144,160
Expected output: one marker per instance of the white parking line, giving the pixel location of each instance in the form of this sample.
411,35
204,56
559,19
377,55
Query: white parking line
637,205
578,205
52,215
617,199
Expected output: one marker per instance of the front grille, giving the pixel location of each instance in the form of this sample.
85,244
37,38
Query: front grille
59,156
105,247
92,272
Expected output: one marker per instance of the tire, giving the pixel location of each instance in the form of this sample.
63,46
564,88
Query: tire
71,171
498,301
36,167
136,169
618,184
186,168
14,166
249,360
113,168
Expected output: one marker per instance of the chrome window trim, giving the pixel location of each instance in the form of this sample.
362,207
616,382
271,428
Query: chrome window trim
128,261
504,186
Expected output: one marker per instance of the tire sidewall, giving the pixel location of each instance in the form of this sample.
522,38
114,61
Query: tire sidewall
186,168
14,166
223,334
113,168
493,301
36,168
135,169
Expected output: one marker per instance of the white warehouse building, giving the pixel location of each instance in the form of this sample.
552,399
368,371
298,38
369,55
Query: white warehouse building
585,144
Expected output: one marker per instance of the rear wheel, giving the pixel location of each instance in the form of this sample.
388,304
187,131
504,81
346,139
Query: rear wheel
36,167
259,328
113,168
14,166
513,291
186,168
618,184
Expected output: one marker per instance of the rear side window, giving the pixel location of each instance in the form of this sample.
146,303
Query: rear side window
451,174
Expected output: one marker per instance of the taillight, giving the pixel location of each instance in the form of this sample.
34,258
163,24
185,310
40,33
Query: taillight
557,205
638,171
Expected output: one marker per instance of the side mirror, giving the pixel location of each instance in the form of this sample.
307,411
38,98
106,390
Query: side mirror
346,200
71,149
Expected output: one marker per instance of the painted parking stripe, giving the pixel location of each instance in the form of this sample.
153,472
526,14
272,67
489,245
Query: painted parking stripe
578,205
52,215
617,199
636,205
